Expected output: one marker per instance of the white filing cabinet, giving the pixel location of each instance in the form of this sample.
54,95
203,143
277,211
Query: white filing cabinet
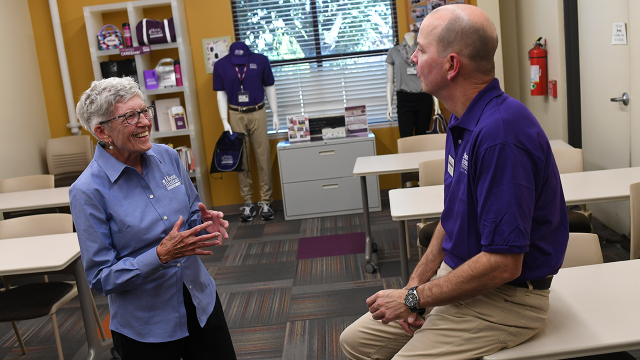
317,177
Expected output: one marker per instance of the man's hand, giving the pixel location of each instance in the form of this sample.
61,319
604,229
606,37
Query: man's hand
413,321
181,244
388,305
218,224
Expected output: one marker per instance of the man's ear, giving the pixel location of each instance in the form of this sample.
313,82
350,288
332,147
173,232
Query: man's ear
100,132
453,65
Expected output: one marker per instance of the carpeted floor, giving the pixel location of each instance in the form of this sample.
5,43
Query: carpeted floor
285,296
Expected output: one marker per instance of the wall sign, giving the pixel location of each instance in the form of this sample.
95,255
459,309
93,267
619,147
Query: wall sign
215,49
619,33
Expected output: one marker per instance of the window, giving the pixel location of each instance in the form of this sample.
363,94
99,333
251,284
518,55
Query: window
325,54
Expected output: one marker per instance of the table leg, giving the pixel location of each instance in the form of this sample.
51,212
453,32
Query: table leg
404,262
365,215
95,347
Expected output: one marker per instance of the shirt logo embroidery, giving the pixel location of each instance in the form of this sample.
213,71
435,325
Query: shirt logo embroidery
253,66
465,162
171,181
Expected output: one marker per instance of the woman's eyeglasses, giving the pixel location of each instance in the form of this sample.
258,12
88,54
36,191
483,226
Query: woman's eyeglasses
133,116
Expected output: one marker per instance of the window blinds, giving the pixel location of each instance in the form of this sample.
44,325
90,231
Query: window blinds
325,54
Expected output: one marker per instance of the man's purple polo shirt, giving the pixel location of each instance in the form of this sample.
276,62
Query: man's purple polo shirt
502,190
259,75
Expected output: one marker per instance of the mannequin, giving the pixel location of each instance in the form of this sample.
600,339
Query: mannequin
413,104
242,79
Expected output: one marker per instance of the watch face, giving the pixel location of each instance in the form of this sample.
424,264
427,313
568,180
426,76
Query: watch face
411,299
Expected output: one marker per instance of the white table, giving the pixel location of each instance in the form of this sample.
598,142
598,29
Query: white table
52,253
397,164
579,188
594,310
34,199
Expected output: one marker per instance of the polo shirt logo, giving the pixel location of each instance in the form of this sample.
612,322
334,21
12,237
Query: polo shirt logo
171,181
465,162
253,66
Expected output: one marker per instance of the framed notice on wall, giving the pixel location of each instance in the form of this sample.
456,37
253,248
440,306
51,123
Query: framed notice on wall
215,49
419,9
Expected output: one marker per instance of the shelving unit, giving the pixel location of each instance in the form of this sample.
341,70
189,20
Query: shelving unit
133,12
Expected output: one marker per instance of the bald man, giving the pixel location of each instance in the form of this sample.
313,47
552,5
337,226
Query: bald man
483,283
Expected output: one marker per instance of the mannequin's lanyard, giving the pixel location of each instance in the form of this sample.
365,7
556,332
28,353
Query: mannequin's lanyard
241,78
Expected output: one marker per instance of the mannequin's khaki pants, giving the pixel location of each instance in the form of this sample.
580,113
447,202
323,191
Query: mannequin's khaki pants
254,125
501,318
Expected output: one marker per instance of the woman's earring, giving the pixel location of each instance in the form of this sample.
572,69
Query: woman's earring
110,146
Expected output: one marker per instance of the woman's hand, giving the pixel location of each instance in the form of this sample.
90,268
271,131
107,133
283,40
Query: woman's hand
218,223
181,244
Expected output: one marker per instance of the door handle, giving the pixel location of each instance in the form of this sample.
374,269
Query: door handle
624,99
326,152
330,186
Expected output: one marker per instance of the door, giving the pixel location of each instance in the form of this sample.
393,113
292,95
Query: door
605,73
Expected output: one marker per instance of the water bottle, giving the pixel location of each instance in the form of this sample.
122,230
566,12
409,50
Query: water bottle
176,68
126,31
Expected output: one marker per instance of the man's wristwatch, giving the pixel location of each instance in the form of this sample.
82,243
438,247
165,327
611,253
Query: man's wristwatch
412,301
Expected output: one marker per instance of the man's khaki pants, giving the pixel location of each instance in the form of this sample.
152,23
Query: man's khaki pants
501,318
254,125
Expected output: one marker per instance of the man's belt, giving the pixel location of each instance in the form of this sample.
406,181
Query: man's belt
246,109
542,284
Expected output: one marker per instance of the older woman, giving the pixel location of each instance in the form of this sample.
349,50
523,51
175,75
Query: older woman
141,227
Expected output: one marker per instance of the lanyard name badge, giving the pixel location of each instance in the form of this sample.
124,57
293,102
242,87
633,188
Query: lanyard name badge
243,96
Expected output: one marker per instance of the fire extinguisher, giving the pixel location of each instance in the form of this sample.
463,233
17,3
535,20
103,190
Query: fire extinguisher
538,60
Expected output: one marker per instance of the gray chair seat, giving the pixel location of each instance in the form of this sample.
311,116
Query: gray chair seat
31,300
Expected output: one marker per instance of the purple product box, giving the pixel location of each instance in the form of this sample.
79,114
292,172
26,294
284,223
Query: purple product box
150,79
180,123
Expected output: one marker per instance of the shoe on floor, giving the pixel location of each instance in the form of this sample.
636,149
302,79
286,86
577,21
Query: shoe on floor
248,212
266,211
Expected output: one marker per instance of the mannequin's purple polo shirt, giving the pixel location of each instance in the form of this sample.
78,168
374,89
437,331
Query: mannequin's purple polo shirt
502,190
259,75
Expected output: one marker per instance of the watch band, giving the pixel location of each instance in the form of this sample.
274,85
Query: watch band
412,301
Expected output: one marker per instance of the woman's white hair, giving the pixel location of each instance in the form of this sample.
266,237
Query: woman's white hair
97,103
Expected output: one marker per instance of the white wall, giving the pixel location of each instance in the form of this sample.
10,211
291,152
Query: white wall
523,21
23,121
492,8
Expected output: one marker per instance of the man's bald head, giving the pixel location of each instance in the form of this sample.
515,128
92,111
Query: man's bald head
468,32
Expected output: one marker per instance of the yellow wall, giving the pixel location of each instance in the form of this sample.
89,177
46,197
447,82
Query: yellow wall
205,19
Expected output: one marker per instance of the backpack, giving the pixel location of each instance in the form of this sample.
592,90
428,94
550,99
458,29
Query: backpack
438,123
228,153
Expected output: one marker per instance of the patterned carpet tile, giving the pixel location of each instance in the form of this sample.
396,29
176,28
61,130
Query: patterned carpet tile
348,302
332,225
389,269
42,352
332,269
256,308
260,252
244,232
259,343
316,339
255,286
227,275
331,245
218,253
291,227
392,283
311,289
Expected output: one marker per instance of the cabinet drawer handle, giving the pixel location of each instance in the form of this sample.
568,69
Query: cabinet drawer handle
329,186
326,152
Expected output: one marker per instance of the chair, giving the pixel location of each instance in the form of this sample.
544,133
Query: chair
26,183
582,249
634,251
431,173
67,157
570,160
426,142
33,300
